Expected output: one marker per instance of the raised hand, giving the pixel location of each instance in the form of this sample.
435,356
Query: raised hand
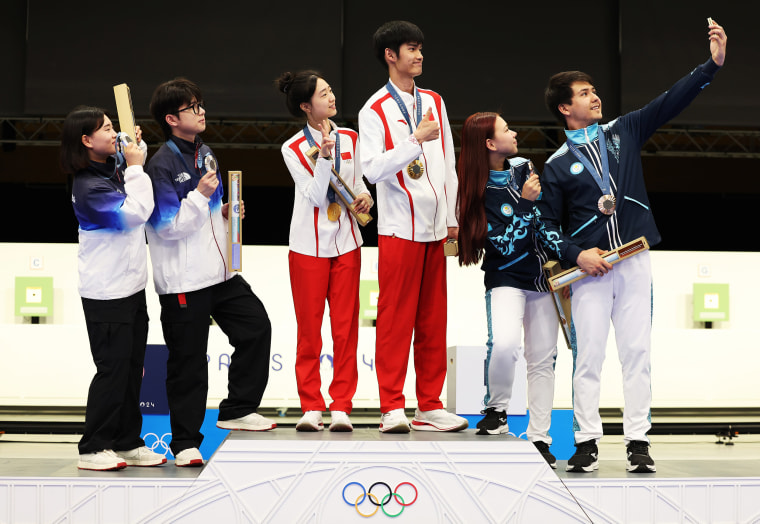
718,40
133,154
327,141
531,188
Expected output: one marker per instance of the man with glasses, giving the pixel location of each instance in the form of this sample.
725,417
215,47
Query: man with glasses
187,240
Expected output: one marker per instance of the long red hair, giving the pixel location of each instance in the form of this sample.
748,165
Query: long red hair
473,176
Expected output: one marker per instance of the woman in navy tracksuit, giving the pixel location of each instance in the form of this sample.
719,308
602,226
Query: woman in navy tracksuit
498,221
112,198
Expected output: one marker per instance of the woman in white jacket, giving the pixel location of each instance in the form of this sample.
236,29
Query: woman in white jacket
324,257
112,198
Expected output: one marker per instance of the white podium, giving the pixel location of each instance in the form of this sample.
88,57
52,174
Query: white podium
286,476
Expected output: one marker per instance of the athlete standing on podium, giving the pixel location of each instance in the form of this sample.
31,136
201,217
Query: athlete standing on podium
324,256
112,199
187,235
595,200
498,221
408,151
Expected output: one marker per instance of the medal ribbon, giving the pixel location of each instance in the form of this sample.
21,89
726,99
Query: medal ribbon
199,162
602,180
402,105
336,165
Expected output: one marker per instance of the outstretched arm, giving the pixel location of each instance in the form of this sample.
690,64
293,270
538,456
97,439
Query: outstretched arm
645,121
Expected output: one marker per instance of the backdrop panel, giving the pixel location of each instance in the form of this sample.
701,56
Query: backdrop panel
234,51
494,57
662,41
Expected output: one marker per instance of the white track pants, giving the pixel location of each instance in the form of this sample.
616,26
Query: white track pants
509,311
625,296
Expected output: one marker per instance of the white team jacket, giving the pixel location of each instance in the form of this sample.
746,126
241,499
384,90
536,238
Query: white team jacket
418,210
112,253
311,233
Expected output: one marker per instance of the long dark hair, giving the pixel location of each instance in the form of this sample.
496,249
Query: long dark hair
473,176
83,120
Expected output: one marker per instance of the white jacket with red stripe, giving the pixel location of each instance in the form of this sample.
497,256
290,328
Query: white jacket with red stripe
311,233
418,210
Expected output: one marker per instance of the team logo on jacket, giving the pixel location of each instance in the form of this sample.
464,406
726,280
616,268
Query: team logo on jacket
507,210
576,168
182,177
613,146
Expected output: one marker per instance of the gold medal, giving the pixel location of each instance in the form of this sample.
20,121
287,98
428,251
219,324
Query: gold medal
415,170
606,204
333,212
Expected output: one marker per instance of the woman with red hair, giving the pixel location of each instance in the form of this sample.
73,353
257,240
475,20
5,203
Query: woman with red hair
499,223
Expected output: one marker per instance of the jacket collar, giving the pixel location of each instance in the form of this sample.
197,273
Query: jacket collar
583,136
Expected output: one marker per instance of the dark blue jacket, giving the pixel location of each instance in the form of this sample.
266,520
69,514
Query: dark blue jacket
513,257
570,195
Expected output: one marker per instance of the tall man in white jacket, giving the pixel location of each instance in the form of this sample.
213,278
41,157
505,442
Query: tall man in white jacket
408,151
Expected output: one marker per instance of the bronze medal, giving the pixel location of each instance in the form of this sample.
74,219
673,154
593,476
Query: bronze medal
333,212
606,204
415,170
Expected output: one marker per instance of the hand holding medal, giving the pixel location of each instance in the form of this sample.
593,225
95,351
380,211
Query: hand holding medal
532,187
208,182
132,153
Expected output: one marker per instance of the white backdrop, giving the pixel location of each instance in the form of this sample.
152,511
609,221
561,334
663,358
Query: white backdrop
50,363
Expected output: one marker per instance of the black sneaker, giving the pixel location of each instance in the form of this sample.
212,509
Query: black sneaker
585,459
494,422
543,448
639,460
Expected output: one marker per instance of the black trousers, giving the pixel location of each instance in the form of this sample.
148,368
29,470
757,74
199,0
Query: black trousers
242,317
118,332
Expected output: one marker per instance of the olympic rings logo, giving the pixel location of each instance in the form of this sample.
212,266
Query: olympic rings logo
159,442
380,504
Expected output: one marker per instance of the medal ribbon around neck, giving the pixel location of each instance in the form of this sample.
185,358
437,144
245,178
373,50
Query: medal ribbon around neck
402,105
336,165
199,162
414,169
602,180
607,201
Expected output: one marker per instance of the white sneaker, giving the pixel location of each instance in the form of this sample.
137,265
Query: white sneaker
311,421
340,421
105,460
188,457
438,420
250,422
394,421
141,457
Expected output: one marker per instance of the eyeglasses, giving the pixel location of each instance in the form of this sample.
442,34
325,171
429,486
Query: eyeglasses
196,108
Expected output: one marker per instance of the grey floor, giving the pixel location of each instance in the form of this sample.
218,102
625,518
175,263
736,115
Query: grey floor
677,456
